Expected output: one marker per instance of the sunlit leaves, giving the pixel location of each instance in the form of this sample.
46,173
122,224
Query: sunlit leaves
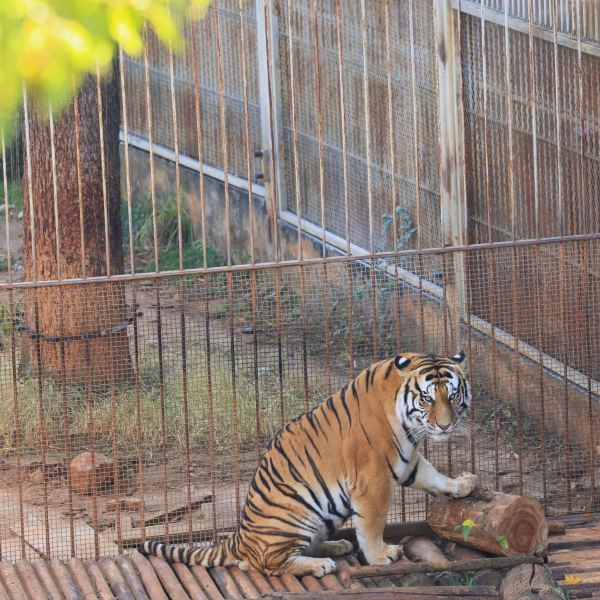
466,526
50,45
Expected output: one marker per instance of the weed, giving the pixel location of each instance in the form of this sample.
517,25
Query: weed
167,235
15,196
272,409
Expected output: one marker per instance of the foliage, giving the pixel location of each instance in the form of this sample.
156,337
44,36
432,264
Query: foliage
167,236
14,195
502,541
272,410
50,45
466,526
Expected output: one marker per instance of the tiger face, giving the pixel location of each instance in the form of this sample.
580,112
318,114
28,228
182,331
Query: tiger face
434,395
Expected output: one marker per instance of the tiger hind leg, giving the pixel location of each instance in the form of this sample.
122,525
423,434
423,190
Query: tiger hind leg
306,565
332,548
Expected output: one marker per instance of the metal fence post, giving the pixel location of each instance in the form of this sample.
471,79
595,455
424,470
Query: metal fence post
271,107
453,194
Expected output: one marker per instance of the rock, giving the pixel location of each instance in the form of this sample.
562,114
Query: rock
87,474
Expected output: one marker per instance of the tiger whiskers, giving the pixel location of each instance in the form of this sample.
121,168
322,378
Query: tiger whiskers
465,429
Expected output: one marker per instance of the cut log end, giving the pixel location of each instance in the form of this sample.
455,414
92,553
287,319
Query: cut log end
504,524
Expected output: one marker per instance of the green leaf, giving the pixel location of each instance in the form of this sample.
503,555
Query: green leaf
502,541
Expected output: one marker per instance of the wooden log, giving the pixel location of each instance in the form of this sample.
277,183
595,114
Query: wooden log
530,582
489,577
519,518
148,576
404,567
30,580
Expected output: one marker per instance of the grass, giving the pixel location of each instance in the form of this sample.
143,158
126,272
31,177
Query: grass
15,196
270,410
167,235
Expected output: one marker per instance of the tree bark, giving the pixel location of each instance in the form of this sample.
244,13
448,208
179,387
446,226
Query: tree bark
519,518
76,310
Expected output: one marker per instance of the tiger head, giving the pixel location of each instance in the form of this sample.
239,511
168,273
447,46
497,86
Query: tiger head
434,395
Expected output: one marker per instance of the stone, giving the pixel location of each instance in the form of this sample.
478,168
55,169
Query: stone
89,471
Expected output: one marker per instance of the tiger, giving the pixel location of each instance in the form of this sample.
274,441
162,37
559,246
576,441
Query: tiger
342,459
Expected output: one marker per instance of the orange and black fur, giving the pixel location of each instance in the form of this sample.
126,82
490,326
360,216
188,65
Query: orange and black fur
343,459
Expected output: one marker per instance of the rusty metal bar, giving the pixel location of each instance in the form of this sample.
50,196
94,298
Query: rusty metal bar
66,424
325,289
234,407
413,85
162,396
533,102
151,151
182,323
91,430
274,173
210,408
306,262
199,139
54,194
27,151
292,82
13,358
103,166
138,412
42,423
247,128
79,182
6,210
223,130
278,324
586,255
338,22
127,168
363,27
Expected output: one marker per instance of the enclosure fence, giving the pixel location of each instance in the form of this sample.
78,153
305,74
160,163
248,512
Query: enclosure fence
306,188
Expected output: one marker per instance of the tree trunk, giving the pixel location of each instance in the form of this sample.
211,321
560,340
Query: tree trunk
518,519
51,313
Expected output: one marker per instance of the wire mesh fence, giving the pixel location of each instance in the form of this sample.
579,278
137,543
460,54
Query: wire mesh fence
281,213
154,430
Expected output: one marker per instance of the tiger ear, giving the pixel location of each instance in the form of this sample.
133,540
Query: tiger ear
458,358
401,361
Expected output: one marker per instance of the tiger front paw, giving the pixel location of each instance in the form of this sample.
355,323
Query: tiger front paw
388,555
464,485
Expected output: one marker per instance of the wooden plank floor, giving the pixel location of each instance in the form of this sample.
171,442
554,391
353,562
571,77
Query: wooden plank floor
577,552
133,577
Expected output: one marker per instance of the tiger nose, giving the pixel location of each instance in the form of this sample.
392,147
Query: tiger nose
444,427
